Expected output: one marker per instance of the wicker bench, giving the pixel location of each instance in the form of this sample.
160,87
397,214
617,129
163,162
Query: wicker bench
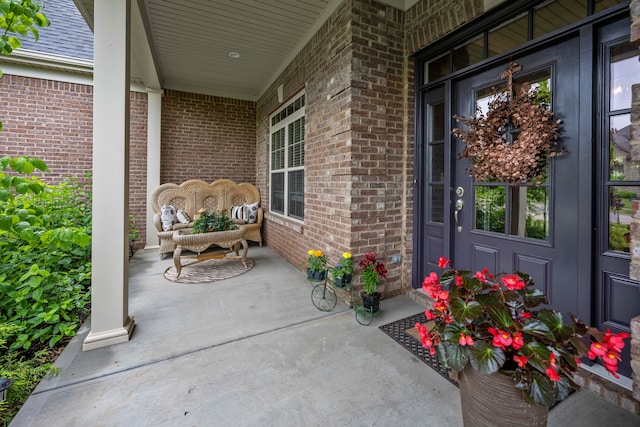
193,195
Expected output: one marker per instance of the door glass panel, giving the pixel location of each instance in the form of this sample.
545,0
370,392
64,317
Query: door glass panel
521,211
509,35
436,153
620,216
436,203
621,166
529,212
552,16
490,208
625,71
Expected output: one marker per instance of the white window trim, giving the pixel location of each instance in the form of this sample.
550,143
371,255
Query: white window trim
272,129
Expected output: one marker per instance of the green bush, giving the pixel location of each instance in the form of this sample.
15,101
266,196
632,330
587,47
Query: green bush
626,194
25,372
45,268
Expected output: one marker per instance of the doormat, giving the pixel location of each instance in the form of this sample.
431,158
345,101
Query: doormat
403,332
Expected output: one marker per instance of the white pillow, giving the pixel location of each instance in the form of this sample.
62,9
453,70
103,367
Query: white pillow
167,216
237,212
183,217
251,212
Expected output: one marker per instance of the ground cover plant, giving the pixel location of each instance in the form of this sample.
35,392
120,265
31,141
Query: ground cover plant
45,272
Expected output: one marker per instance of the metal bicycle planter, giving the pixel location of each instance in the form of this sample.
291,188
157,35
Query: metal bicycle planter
324,298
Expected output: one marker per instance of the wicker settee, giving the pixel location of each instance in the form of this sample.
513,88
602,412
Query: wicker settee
193,195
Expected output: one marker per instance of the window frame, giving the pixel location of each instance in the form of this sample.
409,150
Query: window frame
281,120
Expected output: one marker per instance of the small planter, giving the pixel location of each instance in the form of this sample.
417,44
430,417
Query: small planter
317,276
343,281
371,302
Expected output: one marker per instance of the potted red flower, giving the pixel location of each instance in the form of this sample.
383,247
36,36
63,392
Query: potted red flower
482,324
373,271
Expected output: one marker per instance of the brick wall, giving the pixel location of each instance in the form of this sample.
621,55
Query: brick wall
138,164
357,154
48,120
430,20
208,138
52,121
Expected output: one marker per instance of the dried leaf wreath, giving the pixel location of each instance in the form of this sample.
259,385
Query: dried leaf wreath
492,157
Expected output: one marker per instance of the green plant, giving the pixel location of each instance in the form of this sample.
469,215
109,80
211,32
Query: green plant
45,268
373,271
317,260
495,323
26,372
344,267
133,232
213,221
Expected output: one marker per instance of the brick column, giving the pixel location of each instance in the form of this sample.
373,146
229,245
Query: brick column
634,272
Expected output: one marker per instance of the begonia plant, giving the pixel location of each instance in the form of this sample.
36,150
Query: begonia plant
502,323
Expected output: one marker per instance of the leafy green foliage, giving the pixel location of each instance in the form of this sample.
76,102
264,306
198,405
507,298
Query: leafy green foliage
213,221
45,268
19,18
26,372
501,323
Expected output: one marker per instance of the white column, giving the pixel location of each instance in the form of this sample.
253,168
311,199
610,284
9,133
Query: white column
154,112
110,321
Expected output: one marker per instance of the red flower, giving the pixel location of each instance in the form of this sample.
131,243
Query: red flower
512,282
443,262
552,374
521,360
479,275
597,349
501,338
525,315
466,340
615,342
518,341
459,281
552,361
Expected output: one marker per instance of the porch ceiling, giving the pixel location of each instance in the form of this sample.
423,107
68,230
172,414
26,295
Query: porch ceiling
189,42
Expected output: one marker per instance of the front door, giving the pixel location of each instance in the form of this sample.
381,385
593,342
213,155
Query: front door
532,228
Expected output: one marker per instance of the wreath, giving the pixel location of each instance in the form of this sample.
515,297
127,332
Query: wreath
492,156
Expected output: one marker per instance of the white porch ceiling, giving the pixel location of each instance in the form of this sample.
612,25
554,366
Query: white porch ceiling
188,42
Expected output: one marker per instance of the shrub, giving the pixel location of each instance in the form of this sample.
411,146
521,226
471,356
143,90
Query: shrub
45,266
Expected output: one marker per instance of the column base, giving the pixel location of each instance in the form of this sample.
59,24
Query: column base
107,338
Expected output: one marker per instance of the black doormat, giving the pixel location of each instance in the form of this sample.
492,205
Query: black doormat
398,332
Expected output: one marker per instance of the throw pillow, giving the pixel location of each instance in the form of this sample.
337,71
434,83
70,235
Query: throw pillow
183,217
251,212
237,213
167,216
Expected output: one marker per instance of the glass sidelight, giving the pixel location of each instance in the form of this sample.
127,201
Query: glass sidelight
623,172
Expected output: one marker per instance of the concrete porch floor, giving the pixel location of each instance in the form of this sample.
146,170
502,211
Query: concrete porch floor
254,351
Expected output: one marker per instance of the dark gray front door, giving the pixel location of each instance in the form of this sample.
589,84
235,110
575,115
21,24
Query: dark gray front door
534,229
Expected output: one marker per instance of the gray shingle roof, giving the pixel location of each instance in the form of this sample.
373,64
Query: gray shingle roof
68,34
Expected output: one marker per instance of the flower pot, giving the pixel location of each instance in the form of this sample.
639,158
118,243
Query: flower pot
371,302
494,400
315,275
343,281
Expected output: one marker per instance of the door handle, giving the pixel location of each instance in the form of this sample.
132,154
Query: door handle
459,206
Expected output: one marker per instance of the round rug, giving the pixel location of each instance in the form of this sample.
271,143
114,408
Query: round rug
207,271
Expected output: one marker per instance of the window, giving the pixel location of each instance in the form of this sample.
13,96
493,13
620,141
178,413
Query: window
287,159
